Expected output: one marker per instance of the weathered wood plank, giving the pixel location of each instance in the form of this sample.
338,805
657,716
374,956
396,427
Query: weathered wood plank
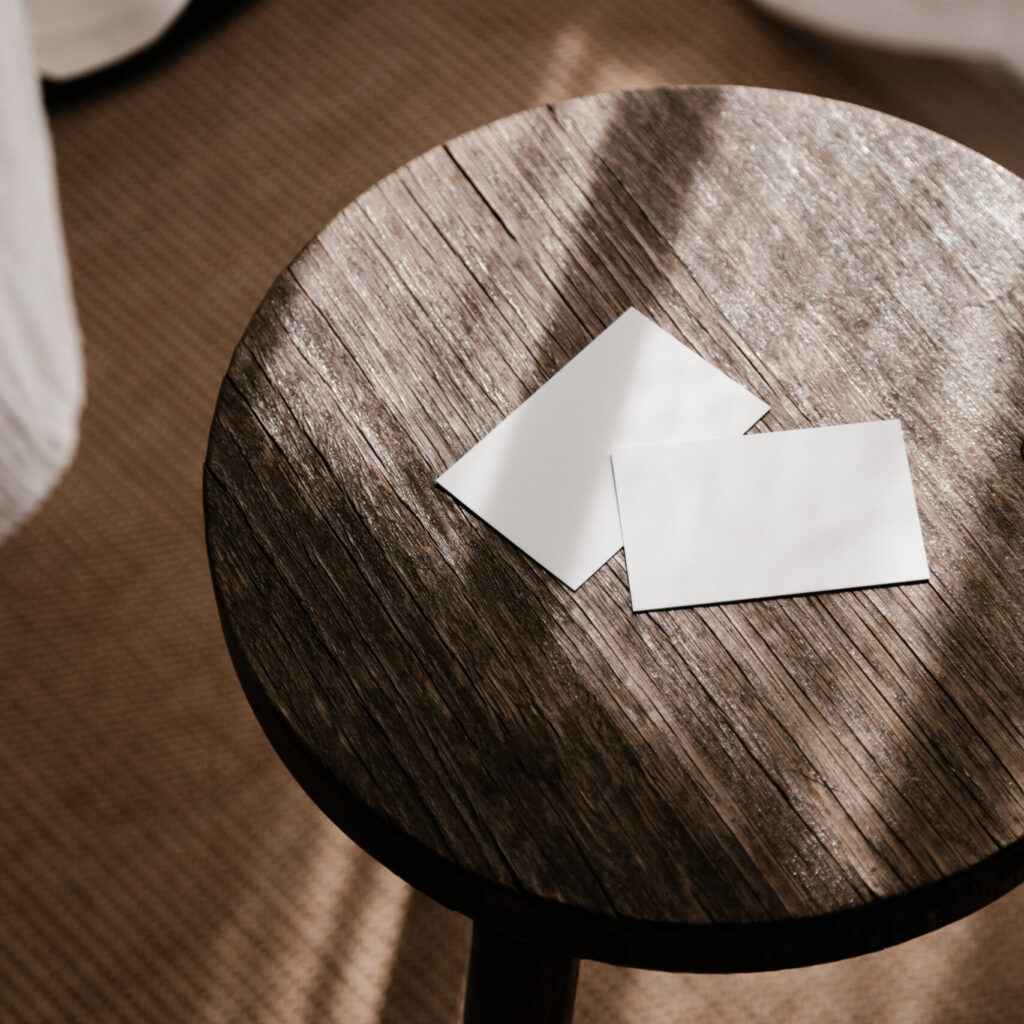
752,785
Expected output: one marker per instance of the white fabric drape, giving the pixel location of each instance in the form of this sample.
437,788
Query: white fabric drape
41,377
970,28
73,37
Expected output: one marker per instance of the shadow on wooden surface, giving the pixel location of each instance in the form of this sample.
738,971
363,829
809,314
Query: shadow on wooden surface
730,788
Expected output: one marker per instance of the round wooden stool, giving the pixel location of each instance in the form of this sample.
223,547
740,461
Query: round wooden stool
730,788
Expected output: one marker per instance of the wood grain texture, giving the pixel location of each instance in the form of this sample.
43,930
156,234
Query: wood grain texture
737,787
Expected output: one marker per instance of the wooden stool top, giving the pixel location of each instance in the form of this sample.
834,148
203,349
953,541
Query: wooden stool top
738,787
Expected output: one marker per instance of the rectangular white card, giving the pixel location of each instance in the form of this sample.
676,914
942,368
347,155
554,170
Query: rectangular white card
792,512
542,477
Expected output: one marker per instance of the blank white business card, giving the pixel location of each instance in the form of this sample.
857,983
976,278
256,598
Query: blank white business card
792,512
543,477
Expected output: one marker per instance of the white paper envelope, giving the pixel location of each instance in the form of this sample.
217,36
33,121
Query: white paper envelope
766,515
543,477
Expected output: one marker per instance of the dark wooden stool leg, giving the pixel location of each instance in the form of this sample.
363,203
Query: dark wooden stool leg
512,982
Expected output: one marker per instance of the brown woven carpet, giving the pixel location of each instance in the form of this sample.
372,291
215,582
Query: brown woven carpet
156,861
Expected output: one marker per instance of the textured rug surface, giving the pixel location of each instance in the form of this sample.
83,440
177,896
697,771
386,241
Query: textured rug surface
156,861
